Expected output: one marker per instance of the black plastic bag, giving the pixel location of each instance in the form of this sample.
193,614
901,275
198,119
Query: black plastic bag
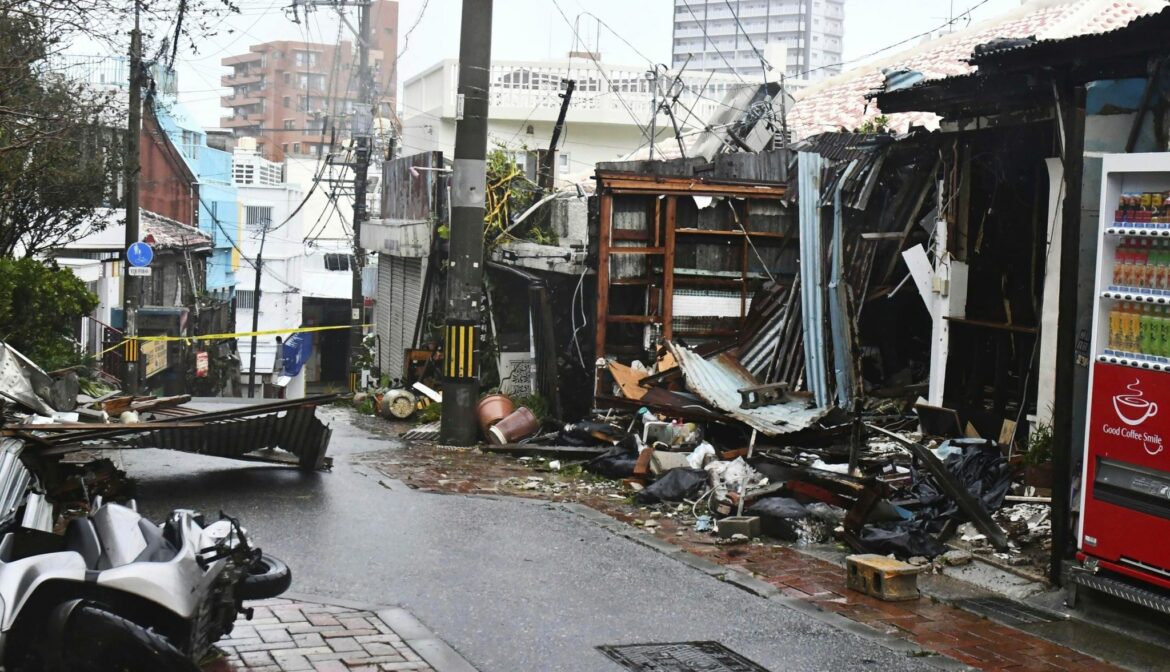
616,464
587,433
778,516
903,540
674,486
979,466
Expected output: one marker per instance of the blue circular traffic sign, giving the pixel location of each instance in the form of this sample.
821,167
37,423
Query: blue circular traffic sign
140,254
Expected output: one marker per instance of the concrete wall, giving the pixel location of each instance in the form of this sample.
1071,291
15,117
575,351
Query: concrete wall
605,119
166,185
281,271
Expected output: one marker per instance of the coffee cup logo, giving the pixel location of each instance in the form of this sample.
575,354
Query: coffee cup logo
1133,409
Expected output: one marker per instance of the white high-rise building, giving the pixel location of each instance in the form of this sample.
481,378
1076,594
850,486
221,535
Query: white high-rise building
802,39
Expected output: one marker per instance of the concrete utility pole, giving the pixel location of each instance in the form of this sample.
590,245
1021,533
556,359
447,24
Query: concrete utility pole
548,167
256,312
131,284
465,265
362,128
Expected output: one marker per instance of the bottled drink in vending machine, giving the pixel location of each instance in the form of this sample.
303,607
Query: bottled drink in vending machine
1133,328
1120,261
1116,330
1140,275
1150,331
1163,331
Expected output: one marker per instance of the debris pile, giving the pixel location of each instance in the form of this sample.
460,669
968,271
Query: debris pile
58,415
793,473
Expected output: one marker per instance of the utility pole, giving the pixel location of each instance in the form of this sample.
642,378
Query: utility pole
548,166
362,128
256,312
465,265
131,284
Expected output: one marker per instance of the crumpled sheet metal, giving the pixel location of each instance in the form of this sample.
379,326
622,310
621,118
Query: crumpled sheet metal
14,479
717,381
20,381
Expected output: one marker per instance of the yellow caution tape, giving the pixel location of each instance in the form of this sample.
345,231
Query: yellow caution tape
242,334
112,348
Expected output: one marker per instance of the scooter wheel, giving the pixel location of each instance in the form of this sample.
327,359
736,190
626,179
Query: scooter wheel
268,577
99,640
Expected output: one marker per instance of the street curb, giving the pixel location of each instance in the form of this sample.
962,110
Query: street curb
434,651
745,581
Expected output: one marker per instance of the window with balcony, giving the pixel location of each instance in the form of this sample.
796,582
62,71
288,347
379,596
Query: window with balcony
306,58
337,262
245,299
310,81
257,218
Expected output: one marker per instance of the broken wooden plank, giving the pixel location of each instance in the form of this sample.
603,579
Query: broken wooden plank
628,380
558,452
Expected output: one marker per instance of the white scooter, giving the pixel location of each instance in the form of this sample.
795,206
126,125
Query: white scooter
116,592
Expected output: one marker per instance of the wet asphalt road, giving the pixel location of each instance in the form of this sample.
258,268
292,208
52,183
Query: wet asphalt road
513,585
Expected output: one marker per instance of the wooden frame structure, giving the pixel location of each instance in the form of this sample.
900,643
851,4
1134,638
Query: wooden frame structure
660,196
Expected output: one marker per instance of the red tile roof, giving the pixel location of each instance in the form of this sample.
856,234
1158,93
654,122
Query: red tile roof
165,233
840,102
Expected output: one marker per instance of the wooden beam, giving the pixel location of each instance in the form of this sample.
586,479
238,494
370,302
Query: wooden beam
637,250
632,319
668,269
604,231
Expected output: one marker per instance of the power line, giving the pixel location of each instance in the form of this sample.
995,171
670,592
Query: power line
601,70
703,27
950,22
764,65
219,225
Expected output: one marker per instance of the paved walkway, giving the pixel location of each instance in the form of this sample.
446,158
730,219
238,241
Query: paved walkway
771,571
304,634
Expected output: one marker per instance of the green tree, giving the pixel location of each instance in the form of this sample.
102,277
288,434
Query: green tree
59,156
39,306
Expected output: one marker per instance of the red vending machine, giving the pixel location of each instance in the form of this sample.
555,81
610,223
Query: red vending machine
1125,499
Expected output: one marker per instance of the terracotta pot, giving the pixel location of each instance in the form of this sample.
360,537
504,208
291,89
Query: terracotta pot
519,425
1038,475
491,409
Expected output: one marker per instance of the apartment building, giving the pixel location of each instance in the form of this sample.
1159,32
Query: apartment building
288,94
803,39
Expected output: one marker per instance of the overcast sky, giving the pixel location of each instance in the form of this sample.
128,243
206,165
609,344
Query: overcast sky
534,29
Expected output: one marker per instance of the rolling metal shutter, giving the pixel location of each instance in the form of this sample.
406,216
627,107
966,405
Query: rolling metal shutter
400,281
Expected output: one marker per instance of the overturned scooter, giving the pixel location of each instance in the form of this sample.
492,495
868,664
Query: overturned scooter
116,592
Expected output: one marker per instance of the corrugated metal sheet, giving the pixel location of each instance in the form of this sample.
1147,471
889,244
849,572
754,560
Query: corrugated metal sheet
14,479
717,381
400,285
842,327
812,284
289,425
383,307
295,430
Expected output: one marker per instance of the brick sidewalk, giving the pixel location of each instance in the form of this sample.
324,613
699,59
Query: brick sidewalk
933,626
305,635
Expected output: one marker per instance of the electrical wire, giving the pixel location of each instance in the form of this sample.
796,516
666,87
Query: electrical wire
219,225
601,70
764,65
951,22
703,27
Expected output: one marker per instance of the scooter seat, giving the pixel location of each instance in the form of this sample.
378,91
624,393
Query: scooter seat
80,536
